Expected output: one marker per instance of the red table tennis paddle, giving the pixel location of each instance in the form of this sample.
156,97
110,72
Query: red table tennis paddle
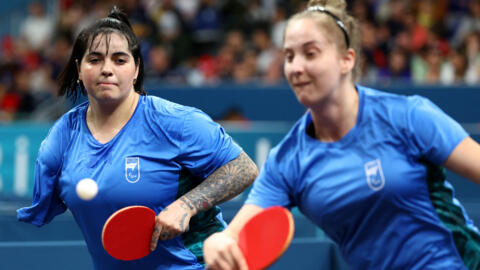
127,233
266,236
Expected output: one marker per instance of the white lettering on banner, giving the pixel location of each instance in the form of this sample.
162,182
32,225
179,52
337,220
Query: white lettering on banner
261,151
21,166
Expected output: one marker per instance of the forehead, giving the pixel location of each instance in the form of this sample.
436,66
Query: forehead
108,42
302,30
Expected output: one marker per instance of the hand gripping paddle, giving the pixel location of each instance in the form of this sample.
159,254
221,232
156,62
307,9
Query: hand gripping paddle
127,233
266,236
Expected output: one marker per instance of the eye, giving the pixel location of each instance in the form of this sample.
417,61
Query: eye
121,61
310,54
288,57
93,60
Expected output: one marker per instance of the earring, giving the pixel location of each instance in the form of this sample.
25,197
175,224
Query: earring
78,81
134,81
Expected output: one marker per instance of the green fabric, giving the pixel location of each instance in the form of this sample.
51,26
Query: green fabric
466,240
201,225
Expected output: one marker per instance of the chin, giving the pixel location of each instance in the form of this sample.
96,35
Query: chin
303,99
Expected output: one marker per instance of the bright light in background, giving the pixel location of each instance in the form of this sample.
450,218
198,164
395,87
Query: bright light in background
21,166
261,151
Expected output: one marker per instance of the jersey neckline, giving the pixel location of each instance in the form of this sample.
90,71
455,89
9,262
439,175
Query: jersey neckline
351,134
90,135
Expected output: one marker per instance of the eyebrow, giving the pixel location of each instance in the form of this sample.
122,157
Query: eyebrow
96,53
306,44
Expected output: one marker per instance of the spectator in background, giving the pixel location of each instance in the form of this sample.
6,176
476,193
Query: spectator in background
206,28
9,103
265,49
472,53
398,70
467,24
428,66
244,71
37,29
453,69
159,66
278,24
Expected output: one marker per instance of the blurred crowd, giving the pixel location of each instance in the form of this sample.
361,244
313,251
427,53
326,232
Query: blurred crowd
208,42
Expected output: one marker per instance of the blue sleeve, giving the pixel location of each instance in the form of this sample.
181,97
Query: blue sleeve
432,133
205,146
46,202
272,187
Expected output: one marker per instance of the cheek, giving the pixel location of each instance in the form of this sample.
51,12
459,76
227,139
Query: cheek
87,72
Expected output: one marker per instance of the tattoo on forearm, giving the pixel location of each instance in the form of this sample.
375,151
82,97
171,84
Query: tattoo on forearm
187,203
182,221
222,185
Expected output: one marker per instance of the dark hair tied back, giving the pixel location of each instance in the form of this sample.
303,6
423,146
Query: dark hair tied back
118,22
117,14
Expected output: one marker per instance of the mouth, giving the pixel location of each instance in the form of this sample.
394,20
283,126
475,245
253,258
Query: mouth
106,83
300,84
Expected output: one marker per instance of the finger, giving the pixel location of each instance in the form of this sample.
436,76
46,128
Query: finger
225,264
155,235
240,261
227,259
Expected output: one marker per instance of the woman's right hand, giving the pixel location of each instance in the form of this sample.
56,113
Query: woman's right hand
221,252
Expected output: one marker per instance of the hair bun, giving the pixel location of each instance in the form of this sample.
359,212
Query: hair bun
117,14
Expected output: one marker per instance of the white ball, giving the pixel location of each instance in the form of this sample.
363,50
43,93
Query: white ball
87,189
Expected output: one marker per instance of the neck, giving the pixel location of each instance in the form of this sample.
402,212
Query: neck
106,120
335,117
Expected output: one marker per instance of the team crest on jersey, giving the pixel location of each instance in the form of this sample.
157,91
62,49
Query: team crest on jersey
374,173
132,169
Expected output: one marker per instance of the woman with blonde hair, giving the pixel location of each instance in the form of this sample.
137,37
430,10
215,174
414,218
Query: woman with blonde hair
363,165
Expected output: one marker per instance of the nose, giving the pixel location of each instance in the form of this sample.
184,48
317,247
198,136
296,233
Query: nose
295,67
107,68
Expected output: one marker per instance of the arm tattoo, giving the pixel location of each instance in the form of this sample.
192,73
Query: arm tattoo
223,184
187,203
182,221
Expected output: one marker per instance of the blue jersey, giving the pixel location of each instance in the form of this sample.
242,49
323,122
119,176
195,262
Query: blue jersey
163,151
370,191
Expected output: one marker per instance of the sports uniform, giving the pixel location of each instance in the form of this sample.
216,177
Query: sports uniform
379,192
163,151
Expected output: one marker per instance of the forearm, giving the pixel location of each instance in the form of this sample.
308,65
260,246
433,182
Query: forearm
222,185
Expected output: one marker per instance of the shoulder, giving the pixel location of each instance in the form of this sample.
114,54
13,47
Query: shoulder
69,122
172,118
59,136
161,108
386,100
394,108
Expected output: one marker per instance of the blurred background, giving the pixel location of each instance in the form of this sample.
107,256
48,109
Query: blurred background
222,56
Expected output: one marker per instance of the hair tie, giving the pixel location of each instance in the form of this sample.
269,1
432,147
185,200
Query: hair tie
337,21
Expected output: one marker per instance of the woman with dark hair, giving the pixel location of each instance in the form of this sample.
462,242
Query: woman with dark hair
141,150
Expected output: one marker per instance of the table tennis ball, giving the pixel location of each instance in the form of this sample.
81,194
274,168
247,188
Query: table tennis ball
87,189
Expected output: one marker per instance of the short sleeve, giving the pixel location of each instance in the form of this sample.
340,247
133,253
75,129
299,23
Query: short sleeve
205,146
432,133
46,203
272,188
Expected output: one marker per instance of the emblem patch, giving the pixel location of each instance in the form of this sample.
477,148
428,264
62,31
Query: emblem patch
374,173
132,169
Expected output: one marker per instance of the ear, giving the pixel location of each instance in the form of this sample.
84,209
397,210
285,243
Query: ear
137,69
348,61
78,69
